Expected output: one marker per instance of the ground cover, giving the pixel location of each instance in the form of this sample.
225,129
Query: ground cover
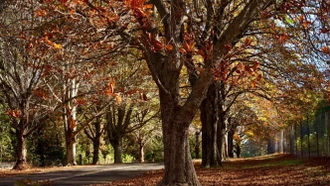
265,171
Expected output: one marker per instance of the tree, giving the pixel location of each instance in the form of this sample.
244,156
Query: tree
166,62
149,129
22,77
167,39
94,132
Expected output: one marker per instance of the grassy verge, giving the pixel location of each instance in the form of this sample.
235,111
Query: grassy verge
266,171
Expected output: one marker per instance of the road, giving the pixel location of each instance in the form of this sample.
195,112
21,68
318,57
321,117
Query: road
86,175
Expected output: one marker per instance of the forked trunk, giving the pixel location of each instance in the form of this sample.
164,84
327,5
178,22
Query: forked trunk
70,148
179,168
21,162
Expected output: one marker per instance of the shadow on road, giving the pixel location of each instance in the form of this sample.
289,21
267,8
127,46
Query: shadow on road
86,175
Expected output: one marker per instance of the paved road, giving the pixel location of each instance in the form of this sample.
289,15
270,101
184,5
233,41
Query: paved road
85,175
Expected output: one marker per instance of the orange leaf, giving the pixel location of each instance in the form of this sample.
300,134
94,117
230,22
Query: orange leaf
326,50
14,113
247,41
169,47
41,12
182,50
306,24
148,6
253,84
111,89
189,46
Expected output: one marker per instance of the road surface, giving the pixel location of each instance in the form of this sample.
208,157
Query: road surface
86,175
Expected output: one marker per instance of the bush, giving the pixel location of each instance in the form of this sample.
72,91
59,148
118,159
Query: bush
127,158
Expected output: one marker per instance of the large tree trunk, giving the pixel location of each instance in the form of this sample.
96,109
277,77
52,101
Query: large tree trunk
118,149
231,142
271,146
209,118
21,151
179,169
70,139
96,147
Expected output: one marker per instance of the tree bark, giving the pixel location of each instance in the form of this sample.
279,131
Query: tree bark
179,169
231,143
141,154
292,138
209,118
197,143
70,139
271,146
118,149
222,135
21,151
96,147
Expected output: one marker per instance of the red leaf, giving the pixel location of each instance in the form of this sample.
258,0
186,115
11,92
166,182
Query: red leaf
255,66
258,77
283,37
72,123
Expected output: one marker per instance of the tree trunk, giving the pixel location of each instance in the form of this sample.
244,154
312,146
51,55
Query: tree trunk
197,143
222,136
96,147
328,124
179,169
118,150
308,138
281,142
271,146
209,118
231,143
292,137
141,154
21,151
301,139
70,139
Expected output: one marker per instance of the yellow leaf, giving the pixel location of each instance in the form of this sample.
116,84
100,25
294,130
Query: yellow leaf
118,99
58,46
